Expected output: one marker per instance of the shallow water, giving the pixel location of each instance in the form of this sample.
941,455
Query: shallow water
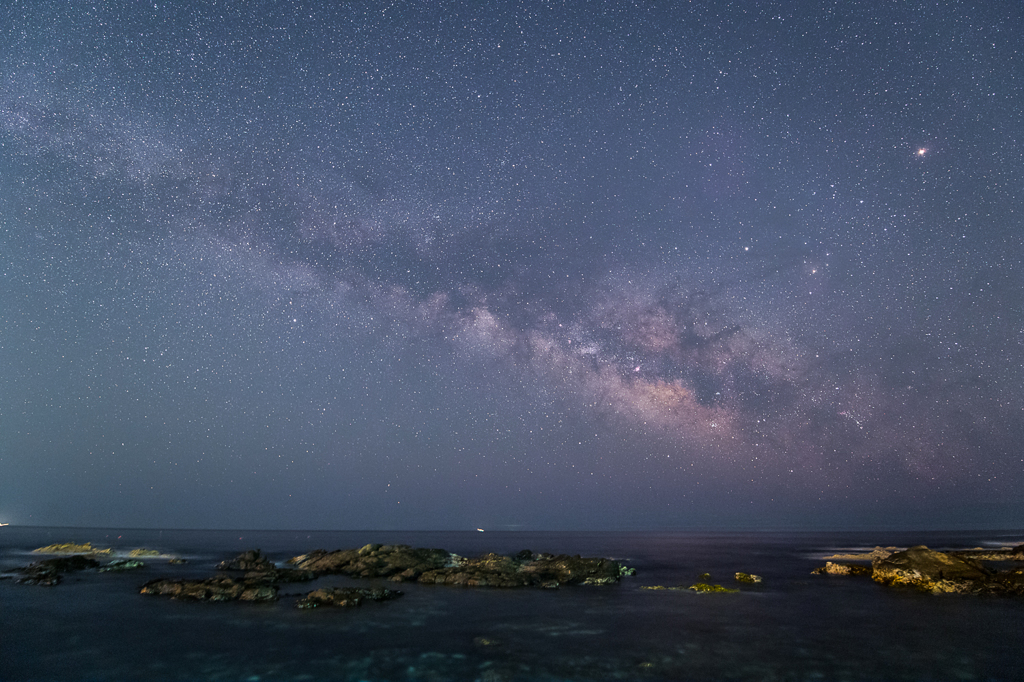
796,626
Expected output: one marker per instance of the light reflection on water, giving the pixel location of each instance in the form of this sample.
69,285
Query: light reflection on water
796,626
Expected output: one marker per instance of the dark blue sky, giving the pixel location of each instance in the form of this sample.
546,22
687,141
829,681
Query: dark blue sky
512,265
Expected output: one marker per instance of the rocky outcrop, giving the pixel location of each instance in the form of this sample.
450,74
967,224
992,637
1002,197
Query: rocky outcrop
212,589
957,572
72,548
748,578
930,570
402,563
48,572
345,596
252,560
833,568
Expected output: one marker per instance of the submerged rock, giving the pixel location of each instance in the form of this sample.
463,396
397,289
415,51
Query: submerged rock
402,563
212,589
345,596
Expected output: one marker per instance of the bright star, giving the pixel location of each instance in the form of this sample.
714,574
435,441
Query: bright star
922,151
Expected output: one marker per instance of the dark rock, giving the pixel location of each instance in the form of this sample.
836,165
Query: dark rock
247,561
212,589
401,563
48,572
345,596
281,575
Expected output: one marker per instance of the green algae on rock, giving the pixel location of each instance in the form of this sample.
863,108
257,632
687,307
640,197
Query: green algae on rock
121,565
708,588
748,578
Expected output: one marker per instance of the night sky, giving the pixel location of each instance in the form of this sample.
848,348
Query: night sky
512,265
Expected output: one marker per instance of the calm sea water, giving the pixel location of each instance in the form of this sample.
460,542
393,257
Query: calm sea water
96,626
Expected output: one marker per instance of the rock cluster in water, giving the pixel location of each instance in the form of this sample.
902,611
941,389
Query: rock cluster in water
213,589
704,584
50,571
345,596
402,563
399,563
961,572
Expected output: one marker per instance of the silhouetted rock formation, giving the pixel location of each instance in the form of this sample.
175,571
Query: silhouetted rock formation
48,572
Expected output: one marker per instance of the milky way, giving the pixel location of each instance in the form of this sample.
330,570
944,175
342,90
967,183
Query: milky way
528,265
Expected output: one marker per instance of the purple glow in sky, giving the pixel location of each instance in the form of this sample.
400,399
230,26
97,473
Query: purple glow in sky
519,265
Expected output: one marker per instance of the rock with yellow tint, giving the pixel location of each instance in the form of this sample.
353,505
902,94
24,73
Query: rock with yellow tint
72,548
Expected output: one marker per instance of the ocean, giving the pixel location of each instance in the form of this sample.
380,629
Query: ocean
793,626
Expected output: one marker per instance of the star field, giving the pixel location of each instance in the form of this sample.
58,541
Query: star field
523,265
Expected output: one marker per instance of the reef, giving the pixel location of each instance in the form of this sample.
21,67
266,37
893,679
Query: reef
212,589
72,548
50,571
402,563
345,596
704,585
953,572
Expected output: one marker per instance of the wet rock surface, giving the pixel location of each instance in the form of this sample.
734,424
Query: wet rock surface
401,563
212,589
955,572
345,596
